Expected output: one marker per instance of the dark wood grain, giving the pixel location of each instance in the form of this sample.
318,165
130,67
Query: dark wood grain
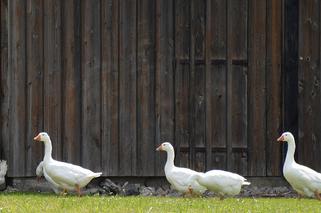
216,81
110,80
257,88
110,92
237,85
127,88
309,85
197,85
71,82
145,87
164,79
4,82
34,66
53,75
91,85
273,87
182,80
17,93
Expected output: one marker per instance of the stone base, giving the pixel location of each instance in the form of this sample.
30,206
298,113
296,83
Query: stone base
154,186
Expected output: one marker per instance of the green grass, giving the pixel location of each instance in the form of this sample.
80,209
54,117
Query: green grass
27,202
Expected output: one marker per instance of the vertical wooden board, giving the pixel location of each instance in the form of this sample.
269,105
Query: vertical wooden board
290,53
217,161
71,82
273,86
237,29
238,106
182,89
237,116
216,104
257,88
145,89
198,107
239,162
197,78
309,84
215,113
91,83
52,74
34,45
200,161
182,29
127,89
216,29
4,82
17,102
182,75
198,16
109,80
164,88
184,159
237,80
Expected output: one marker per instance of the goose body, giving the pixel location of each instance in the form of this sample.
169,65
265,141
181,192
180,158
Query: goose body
63,175
39,173
221,182
303,180
179,177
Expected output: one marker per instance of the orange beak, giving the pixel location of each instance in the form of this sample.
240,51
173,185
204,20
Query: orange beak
159,148
280,139
37,138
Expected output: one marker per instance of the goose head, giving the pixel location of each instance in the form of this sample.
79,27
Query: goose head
286,137
166,146
42,136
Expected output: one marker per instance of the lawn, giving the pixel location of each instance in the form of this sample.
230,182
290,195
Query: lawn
26,202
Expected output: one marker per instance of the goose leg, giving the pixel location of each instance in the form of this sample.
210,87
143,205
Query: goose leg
190,190
78,190
64,192
317,195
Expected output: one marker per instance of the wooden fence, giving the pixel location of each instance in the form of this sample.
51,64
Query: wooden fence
109,80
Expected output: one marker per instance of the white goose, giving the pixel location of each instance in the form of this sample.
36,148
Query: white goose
221,182
303,179
63,175
39,173
178,177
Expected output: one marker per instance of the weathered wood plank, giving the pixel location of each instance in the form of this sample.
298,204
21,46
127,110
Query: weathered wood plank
216,105
164,85
182,131
273,86
71,84
237,118
110,93
257,88
237,84
52,74
197,85
290,67
309,85
4,82
17,101
182,80
127,88
91,94
34,108
145,87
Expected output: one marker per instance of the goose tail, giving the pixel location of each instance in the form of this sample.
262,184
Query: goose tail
246,183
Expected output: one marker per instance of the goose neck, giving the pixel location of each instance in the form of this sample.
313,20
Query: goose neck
290,153
48,150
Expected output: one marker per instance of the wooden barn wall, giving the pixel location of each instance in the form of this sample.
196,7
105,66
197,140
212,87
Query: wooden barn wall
309,96
109,80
